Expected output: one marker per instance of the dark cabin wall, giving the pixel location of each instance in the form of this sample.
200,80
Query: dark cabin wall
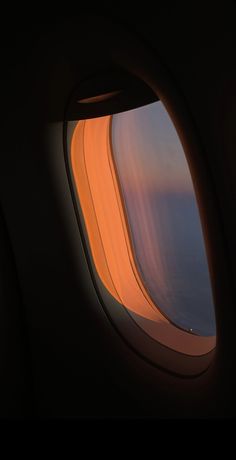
16,396
79,365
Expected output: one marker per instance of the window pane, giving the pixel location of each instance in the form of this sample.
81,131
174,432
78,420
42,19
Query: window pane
162,214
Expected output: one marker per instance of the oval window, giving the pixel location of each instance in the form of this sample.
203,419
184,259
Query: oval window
143,227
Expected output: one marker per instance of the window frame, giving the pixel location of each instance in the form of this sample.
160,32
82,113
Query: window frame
149,349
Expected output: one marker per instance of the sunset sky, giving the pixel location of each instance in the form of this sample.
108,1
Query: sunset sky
149,150
163,215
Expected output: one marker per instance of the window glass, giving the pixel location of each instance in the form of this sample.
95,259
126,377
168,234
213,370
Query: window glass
163,216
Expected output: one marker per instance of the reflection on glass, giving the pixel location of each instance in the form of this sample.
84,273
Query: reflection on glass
162,214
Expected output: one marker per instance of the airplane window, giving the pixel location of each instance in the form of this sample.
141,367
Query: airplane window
143,226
